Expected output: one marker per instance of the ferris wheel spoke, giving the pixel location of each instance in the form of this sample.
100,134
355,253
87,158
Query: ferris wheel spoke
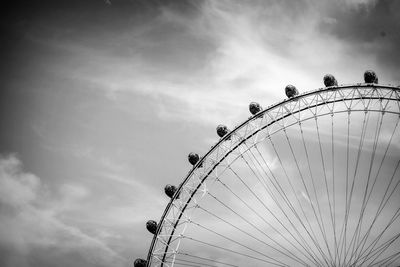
188,263
198,261
280,190
365,202
258,198
239,243
192,263
255,171
353,242
250,235
381,248
372,251
333,190
382,204
365,237
350,247
326,181
380,208
236,227
319,219
357,231
326,186
252,224
181,264
234,251
303,244
206,259
284,197
388,261
269,224
343,231
276,185
301,208
307,192
378,251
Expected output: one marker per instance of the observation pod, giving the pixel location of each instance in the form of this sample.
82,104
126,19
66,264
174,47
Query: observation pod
291,91
140,263
193,158
222,130
330,80
170,190
151,226
370,77
254,108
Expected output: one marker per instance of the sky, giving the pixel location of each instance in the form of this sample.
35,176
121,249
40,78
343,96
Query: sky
101,101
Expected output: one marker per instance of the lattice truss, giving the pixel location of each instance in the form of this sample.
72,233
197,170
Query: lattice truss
308,233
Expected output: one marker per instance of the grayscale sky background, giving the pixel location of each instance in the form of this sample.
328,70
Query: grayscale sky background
101,101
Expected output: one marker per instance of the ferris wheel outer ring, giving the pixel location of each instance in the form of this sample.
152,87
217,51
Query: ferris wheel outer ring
231,133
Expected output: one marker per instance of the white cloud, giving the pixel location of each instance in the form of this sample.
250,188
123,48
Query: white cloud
22,189
28,222
242,52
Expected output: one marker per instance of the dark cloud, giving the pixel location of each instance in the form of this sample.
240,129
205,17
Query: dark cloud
71,19
372,27
129,31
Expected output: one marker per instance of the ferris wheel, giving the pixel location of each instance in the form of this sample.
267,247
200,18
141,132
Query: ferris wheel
311,181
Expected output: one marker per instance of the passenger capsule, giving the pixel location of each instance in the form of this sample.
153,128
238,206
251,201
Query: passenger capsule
291,91
222,130
170,190
370,77
330,80
140,263
193,158
254,108
151,226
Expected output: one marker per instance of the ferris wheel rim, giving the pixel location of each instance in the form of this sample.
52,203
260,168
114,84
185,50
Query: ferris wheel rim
247,121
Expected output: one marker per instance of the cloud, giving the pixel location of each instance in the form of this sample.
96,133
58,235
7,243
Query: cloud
366,27
230,53
221,54
24,187
30,226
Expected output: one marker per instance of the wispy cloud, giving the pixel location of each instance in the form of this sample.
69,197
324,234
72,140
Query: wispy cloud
30,223
225,56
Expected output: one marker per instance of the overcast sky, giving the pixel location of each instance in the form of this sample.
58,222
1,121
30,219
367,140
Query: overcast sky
101,101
